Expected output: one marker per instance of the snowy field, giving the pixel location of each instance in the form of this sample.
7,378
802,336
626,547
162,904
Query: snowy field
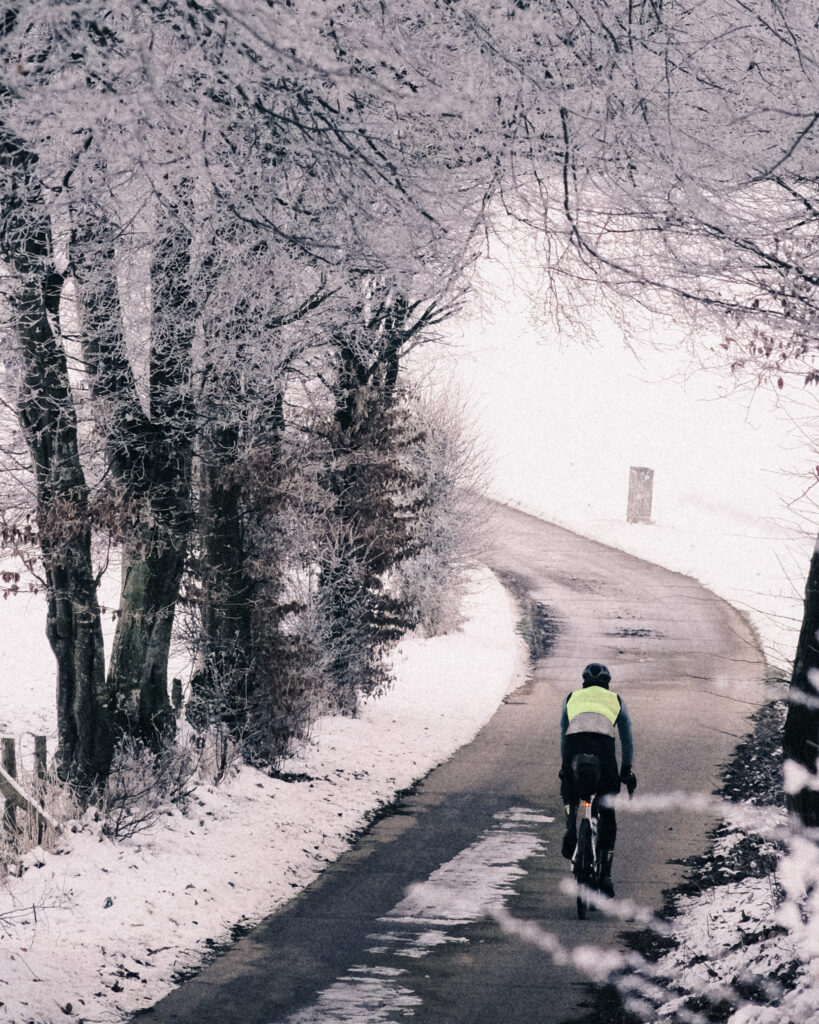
116,921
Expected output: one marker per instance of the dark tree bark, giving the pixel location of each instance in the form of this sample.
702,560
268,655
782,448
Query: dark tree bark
149,454
154,556
123,426
48,419
226,587
801,738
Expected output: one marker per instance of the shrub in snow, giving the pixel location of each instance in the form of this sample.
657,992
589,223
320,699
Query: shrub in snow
219,716
450,531
143,782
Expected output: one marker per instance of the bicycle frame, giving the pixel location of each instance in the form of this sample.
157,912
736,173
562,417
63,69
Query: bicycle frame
590,813
586,864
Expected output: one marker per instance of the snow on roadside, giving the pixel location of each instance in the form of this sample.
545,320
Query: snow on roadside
727,935
116,921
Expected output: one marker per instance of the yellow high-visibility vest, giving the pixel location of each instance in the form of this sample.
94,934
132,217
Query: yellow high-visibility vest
592,700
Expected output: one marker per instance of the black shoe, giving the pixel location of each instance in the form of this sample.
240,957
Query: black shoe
607,887
569,843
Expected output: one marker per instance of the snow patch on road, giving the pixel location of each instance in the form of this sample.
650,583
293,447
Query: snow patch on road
477,882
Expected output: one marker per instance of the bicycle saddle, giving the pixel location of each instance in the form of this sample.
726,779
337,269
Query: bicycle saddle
586,769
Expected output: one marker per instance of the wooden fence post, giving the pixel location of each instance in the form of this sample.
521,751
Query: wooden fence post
640,487
40,768
40,756
9,760
13,793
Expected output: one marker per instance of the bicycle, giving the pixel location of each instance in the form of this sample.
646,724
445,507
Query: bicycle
587,864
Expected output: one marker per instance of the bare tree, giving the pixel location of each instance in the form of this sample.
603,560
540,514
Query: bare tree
48,419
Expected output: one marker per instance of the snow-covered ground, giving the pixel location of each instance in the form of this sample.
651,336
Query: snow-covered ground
104,926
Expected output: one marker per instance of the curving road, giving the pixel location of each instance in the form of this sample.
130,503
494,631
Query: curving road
397,928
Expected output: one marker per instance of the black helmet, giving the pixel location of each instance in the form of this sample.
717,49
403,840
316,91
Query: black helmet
596,675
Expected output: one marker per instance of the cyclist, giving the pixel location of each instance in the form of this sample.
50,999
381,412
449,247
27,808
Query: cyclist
587,726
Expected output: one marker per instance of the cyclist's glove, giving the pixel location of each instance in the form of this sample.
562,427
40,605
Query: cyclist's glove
628,778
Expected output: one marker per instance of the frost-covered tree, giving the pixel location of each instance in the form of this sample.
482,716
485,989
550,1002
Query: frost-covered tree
198,178
452,525
49,423
372,483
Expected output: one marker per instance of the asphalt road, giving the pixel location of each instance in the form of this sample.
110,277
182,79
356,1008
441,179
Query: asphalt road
397,928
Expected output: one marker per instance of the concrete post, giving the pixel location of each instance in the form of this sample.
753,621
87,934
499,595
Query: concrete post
640,488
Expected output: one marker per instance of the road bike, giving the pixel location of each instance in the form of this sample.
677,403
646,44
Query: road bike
587,862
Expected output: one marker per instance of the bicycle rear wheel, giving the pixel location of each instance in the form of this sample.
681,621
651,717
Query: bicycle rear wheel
583,868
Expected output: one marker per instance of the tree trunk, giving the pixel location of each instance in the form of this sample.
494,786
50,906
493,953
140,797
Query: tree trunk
149,455
138,674
226,587
801,737
160,480
48,419
123,425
